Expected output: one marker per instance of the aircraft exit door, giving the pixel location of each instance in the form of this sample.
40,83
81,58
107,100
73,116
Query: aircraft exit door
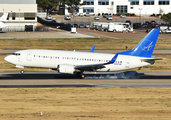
29,55
127,63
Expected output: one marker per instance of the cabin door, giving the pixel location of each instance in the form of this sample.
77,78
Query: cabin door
29,56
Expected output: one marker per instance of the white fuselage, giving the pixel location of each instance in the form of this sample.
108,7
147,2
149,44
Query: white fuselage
52,58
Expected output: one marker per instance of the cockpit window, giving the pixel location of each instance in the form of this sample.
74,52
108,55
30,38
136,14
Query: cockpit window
16,54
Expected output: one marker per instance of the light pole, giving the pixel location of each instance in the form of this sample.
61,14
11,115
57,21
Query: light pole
140,14
11,16
19,17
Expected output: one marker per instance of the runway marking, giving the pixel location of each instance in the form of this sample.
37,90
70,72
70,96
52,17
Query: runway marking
108,86
75,35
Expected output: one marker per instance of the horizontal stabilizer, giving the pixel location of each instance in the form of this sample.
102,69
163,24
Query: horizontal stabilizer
2,25
151,59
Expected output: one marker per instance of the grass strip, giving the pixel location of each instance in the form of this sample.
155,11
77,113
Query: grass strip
76,43
85,103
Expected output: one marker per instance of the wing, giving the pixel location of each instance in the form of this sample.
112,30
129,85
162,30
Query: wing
94,67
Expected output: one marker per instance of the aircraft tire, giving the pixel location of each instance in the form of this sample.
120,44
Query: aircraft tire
22,71
80,75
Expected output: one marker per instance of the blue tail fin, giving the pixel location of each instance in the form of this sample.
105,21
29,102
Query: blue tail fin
146,46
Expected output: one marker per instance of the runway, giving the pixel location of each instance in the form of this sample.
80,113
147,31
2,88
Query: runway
30,80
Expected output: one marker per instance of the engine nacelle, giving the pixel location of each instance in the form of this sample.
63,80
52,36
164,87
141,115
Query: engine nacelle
69,69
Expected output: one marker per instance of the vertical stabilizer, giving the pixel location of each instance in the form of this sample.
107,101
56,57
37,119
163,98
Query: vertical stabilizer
3,18
146,46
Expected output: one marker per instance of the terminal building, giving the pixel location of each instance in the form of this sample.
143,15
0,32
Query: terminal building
21,13
143,7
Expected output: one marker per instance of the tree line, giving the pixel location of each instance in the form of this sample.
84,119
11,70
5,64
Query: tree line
48,5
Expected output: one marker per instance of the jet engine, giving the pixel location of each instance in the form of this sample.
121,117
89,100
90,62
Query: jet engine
68,69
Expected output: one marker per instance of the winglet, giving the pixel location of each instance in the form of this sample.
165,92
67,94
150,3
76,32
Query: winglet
113,59
92,49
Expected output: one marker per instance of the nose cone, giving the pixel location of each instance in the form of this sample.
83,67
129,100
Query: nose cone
8,58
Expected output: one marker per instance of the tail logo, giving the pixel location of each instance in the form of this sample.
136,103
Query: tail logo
147,46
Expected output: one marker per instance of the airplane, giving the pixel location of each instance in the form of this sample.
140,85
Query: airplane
2,25
71,62
3,19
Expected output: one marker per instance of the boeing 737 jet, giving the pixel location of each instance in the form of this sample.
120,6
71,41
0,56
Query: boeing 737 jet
70,62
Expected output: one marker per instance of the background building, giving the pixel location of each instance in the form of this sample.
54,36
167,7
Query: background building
143,7
21,13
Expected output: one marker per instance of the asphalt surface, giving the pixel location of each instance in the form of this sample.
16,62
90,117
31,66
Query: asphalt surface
78,19
52,34
149,79
137,34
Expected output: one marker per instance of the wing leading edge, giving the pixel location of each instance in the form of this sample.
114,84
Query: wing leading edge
94,67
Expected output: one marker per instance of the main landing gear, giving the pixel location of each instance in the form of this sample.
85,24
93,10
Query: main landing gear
80,75
22,71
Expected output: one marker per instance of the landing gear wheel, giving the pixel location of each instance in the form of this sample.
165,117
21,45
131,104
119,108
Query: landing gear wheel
80,75
22,71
